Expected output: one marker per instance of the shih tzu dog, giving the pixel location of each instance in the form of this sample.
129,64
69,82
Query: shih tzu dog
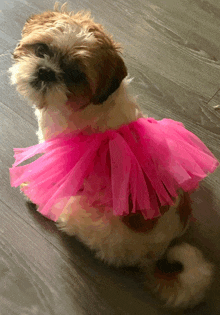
73,73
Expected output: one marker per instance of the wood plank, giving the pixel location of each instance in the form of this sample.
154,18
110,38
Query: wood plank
36,277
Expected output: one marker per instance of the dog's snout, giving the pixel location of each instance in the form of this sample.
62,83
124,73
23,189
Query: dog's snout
46,74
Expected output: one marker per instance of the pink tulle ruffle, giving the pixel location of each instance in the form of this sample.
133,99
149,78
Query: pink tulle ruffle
145,162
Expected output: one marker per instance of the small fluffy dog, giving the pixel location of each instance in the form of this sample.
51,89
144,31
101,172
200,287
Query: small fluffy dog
73,73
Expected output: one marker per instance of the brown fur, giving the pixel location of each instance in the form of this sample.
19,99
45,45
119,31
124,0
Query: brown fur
102,63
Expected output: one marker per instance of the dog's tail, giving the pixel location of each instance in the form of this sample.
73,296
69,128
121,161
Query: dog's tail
186,287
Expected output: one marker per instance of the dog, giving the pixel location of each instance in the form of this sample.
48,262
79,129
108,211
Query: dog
73,73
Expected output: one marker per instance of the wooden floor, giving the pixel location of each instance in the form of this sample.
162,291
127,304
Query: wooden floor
172,49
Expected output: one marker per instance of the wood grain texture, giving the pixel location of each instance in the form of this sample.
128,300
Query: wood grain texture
172,50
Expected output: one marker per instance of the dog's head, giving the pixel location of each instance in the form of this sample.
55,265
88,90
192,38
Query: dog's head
66,58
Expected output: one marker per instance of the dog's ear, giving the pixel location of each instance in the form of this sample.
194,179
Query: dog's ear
109,66
111,71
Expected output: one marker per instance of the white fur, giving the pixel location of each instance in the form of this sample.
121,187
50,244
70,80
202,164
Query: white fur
192,283
120,108
112,240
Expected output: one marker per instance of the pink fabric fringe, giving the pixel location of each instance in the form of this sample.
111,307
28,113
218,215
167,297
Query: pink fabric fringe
146,162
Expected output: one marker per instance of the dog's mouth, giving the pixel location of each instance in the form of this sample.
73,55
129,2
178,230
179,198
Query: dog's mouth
77,102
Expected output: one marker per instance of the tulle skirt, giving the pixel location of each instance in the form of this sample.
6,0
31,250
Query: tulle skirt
144,163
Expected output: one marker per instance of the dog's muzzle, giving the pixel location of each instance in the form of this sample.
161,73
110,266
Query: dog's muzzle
46,74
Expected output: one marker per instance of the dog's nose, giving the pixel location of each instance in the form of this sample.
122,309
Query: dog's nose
46,74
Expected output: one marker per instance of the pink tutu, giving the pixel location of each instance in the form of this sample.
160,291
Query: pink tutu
145,162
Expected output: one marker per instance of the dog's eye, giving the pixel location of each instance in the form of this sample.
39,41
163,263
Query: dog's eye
72,73
41,50
74,76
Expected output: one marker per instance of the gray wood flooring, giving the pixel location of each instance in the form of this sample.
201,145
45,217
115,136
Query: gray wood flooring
172,49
